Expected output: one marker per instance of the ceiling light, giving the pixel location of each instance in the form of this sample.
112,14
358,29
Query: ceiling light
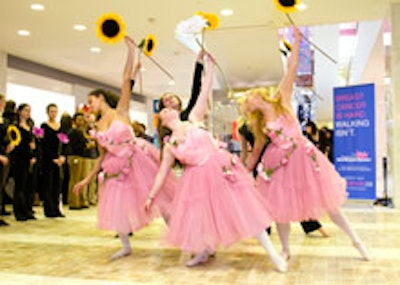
95,49
171,82
24,33
227,12
37,7
79,27
301,6
142,69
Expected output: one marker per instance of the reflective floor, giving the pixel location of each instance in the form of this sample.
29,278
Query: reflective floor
72,251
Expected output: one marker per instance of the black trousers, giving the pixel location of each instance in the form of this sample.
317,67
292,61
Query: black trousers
22,193
51,189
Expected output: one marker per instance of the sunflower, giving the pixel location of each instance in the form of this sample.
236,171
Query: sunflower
212,20
286,6
14,135
110,28
148,44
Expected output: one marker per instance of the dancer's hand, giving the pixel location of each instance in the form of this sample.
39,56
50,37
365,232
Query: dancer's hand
148,204
79,186
200,55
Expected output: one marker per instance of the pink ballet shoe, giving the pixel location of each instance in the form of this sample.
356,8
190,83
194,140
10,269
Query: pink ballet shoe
285,255
197,260
362,250
121,253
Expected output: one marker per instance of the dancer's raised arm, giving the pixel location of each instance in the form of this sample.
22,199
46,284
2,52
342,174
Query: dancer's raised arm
285,87
200,108
126,91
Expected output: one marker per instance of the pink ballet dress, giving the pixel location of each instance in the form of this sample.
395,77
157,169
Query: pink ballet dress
128,171
297,180
216,202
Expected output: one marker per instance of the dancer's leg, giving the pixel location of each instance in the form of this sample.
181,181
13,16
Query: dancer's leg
265,241
283,232
126,247
340,220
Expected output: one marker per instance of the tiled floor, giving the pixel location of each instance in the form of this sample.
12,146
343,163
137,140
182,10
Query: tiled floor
72,251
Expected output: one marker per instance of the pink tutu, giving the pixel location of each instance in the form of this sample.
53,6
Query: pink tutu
298,182
128,171
216,202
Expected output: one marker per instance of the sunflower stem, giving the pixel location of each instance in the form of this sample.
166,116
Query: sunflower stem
311,43
140,74
228,86
157,64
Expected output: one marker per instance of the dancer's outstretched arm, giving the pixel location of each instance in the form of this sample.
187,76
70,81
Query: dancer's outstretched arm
166,164
96,169
196,86
254,156
200,108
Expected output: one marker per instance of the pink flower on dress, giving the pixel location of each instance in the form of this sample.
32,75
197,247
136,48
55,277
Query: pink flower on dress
92,133
222,145
63,138
265,174
284,161
272,135
101,177
166,139
38,132
228,174
310,148
125,170
234,159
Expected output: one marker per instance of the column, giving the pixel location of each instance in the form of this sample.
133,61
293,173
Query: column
394,112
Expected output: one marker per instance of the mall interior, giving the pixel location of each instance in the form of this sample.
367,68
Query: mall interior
347,84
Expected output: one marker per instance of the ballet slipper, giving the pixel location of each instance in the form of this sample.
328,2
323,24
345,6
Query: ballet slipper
280,263
197,260
121,253
285,255
362,250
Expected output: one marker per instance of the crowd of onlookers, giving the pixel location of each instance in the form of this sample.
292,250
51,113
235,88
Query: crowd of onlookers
322,138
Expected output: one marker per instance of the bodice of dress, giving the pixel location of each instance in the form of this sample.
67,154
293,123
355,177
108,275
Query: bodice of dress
119,143
197,147
283,127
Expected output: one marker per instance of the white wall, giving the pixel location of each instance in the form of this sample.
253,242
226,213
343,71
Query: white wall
38,99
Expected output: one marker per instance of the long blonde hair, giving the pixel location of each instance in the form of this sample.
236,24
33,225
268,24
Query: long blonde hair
256,118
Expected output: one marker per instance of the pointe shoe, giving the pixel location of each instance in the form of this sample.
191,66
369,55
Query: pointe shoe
285,255
121,253
280,263
362,250
197,260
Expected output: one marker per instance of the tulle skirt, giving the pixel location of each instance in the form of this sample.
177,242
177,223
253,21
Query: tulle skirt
306,185
216,204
